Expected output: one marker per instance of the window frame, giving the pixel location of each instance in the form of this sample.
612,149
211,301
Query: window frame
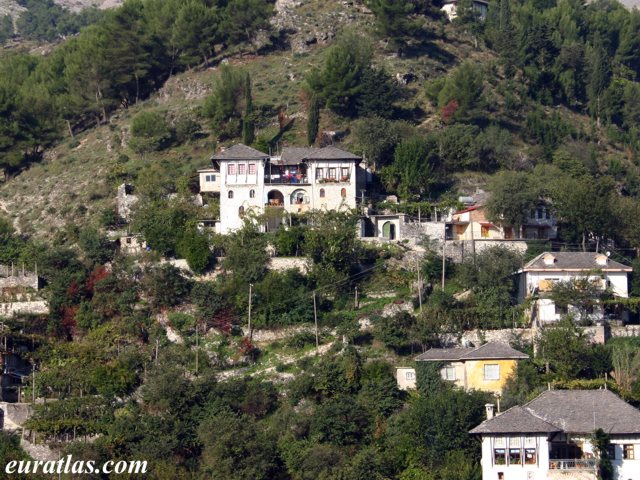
231,169
230,194
628,451
319,173
252,193
252,169
332,173
445,373
242,169
490,378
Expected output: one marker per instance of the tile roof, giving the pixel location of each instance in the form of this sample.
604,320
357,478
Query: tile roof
487,351
239,152
574,261
332,153
570,411
295,155
516,419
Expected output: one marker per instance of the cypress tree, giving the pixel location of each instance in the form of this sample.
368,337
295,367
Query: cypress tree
248,127
313,121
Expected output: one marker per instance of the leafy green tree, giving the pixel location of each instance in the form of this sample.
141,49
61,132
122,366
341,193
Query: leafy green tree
194,247
394,331
339,83
166,286
241,19
6,28
97,248
599,77
513,195
601,441
224,106
393,20
378,137
195,31
378,94
149,132
581,293
340,421
464,87
415,169
565,348
246,255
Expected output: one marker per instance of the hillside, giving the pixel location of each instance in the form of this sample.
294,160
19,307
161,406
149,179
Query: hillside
75,181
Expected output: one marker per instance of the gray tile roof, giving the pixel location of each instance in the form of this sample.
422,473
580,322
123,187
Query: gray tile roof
295,155
516,419
239,152
570,411
574,261
332,153
487,351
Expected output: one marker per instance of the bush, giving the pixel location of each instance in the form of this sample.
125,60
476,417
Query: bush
194,247
149,132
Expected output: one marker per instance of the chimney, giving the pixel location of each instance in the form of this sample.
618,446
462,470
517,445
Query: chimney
549,259
489,408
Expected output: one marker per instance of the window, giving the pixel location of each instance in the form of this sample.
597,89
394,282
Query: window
252,169
515,456
332,173
319,173
322,193
628,452
449,373
492,372
410,376
500,475
499,456
210,178
252,193
343,193
230,194
241,211
231,169
128,241
242,169
612,452
484,231
344,173
530,456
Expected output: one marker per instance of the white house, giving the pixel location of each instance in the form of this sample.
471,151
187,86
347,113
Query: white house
296,181
406,378
550,437
537,278
450,8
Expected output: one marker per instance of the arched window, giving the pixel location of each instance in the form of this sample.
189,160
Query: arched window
322,193
241,211
230,194
252,194
343,193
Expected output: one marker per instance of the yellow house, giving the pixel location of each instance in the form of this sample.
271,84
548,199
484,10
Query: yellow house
486,367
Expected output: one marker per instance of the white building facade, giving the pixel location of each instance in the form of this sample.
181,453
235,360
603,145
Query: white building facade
550,437
538,277
296,181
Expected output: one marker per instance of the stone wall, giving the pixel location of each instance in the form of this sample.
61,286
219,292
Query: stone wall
28,280
280,264
460,250
37,307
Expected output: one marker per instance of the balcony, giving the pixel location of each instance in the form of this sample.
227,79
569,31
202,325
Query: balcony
573,464
286,180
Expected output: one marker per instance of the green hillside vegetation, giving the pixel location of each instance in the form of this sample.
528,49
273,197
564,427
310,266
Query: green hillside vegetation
536,103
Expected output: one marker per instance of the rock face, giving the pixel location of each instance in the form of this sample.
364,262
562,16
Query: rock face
304,30
77,5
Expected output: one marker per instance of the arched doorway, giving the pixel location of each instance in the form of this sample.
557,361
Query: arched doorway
275,198
389,230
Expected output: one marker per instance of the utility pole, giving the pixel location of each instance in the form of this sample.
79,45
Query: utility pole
444,242
250,291
356,303
33,385
419,284
315,317
197,349
157,348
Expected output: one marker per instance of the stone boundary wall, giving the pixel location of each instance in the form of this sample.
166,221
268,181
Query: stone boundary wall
37,307
280,264
29,280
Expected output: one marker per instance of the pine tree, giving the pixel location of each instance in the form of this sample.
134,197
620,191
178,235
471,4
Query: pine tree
313,120
248,127
600,74
505,38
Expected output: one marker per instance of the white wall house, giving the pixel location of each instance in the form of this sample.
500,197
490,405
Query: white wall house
537,278
550,437
296,181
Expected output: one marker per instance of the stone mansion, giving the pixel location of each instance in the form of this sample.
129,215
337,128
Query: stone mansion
295,181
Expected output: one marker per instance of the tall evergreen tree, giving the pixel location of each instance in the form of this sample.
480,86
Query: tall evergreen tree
313,120
599,77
